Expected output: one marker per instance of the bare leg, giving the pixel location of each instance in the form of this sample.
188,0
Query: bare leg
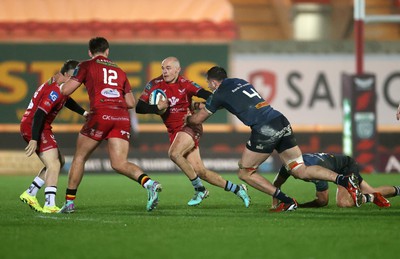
118,150
84,147
182,144
252,159
207,175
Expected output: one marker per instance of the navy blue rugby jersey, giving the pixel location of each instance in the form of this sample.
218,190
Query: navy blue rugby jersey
240,98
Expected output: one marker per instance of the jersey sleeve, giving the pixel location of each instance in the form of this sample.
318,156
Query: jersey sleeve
127,86
213,103
49,100
320,185
146,92
80,72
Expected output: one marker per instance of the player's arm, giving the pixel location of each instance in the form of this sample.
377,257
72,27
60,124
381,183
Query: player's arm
202,93
130,100
69,86
37,128
144,108
198,117
75,107
321,200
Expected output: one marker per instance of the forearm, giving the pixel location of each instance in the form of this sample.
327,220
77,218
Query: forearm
38,123
144,108
74,106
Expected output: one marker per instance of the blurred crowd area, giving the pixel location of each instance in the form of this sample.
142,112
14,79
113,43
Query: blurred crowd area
191,20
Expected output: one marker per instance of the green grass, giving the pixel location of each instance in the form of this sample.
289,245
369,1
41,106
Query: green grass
112,222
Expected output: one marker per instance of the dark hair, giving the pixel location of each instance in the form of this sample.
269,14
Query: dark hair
98,45
68,65
216,73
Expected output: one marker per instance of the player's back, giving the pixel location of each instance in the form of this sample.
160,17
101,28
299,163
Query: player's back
105,82
241,99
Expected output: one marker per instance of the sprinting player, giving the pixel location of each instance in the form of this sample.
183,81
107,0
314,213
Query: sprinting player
110,98
270,130
184,140
37,132
340,164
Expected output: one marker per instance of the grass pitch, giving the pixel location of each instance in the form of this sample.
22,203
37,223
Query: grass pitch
111,222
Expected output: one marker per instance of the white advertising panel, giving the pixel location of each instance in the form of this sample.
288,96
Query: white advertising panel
308,88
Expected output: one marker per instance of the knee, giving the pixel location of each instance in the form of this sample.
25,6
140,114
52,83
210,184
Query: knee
174,155
117,166
299,173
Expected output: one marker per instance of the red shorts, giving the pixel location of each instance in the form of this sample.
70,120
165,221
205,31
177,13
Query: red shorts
46,142
107,123
195,131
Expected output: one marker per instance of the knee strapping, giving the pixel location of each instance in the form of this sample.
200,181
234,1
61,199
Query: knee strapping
295,163
250,170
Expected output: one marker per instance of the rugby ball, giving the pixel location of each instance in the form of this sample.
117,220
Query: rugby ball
156,95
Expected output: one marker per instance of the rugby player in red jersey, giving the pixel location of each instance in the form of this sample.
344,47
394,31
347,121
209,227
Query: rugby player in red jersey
36,130
110,98
184,149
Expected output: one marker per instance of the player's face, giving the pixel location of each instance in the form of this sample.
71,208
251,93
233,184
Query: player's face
211,84
170,71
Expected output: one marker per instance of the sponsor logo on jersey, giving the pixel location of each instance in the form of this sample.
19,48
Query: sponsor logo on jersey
110,93
182,91
53,96
114,118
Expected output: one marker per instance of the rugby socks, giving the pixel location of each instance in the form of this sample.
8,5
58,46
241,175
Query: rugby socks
341,180
368,197
35,186
231,187
50,196
198,185
144,180
282,197
70,194
397,190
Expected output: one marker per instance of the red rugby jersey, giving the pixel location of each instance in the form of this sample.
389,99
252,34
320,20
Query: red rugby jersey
179,96
47,98
105,82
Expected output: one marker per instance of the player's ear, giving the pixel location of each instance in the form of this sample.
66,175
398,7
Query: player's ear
90,54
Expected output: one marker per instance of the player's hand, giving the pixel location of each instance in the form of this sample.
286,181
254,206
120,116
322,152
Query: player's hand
31,147
162,104
85,114
398,113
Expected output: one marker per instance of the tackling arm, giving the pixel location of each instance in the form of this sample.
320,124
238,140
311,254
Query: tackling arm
69,87
321,200
198,118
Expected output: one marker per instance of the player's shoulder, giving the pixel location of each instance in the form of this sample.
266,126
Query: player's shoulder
154,82
185,81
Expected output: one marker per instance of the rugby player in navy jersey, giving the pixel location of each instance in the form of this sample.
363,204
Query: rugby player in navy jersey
270,130
340,164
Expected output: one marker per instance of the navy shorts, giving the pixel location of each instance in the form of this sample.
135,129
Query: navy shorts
276,134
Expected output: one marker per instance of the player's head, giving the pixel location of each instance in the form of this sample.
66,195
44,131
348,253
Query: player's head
98,45
170,69
69,67
215,76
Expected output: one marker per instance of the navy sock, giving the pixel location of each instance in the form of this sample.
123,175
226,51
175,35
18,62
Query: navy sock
282,197
341,180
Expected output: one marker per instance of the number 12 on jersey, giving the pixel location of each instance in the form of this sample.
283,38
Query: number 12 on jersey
110,76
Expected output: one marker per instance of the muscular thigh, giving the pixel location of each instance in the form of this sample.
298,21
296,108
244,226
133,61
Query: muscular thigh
182,143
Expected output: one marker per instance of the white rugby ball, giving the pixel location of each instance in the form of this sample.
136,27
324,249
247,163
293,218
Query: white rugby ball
156,95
